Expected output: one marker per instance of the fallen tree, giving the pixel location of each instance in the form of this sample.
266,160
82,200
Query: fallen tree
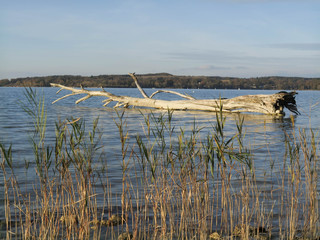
268,104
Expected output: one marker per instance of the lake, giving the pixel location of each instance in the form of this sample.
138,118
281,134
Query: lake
264,135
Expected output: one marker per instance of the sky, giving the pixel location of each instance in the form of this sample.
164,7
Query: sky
235,38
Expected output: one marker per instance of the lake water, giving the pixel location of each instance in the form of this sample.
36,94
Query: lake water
265,134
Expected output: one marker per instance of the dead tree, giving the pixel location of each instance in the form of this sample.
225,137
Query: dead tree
273,104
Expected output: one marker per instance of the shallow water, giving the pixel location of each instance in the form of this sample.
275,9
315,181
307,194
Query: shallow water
265,135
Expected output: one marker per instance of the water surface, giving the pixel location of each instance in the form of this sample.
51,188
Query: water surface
265,135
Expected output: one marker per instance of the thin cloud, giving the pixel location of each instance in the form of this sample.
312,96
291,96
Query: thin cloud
210,67
226,57
242,63
204,55
297,46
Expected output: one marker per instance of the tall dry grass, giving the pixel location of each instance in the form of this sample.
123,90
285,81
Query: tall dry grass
176,184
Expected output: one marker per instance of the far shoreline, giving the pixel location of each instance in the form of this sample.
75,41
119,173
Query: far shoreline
169,81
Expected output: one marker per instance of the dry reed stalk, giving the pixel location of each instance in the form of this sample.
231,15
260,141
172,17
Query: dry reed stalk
175,184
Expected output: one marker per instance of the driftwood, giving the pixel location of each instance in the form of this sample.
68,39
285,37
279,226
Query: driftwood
268,104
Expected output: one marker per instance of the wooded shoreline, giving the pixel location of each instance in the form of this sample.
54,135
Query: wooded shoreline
165,80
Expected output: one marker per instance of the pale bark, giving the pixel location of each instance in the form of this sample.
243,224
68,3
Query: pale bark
267,104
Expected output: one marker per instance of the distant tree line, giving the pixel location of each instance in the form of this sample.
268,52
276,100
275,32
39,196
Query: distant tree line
165,80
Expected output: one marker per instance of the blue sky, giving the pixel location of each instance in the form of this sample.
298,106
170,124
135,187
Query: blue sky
240,38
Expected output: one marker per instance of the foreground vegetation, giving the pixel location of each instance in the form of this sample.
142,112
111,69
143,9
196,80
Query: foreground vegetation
175,184
164,80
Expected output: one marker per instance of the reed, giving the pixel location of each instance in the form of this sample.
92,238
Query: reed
176,183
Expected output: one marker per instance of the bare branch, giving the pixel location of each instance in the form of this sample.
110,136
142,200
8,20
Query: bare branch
83,99
119,104
172,92
133,75
68,95
106,102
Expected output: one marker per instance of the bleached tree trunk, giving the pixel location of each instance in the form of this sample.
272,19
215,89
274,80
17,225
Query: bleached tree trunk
267,104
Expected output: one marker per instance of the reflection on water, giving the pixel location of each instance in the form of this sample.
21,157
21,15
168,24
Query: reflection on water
264,135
